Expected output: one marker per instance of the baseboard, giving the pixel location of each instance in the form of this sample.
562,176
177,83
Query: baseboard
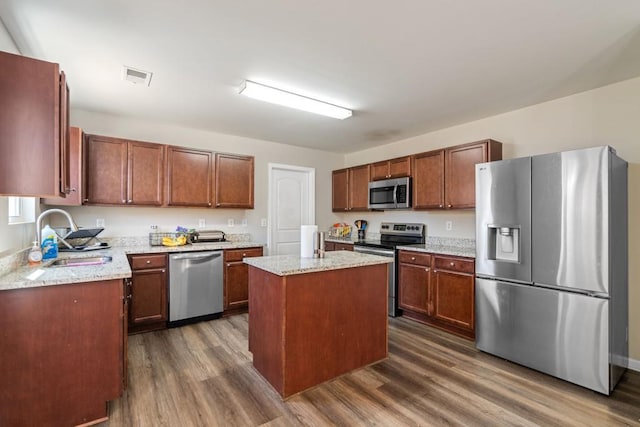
634,364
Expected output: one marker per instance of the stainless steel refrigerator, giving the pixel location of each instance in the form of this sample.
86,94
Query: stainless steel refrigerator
552,262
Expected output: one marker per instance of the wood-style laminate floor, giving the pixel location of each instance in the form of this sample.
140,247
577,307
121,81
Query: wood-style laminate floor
201,375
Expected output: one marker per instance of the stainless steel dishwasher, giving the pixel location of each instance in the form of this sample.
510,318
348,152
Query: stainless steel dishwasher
195,286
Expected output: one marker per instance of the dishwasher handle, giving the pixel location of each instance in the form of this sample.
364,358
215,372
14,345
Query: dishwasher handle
199,256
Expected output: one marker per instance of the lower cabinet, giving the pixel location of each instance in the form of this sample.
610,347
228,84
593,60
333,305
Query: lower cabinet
147,292
62,353
438,290
236,279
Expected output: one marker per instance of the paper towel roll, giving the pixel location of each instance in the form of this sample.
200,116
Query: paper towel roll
307,234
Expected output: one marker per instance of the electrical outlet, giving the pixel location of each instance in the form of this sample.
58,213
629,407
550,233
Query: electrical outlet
263,222
230,222
154,227
202,223
448,225
244,222
100,222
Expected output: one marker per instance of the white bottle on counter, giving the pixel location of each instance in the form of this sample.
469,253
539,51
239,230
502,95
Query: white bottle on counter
49,244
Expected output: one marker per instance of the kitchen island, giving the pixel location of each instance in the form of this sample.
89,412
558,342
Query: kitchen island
312,320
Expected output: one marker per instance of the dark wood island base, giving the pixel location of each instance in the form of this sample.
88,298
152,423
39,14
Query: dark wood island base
305,329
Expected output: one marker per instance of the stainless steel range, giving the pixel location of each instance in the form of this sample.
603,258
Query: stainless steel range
392,235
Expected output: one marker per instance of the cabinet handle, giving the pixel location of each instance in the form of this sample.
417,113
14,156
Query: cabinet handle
217,204
163,270
449,206
435,271
452,264
124,201
244,255
85,200
129,297
346,209
148,261
426,269
129,201
229,264
413,258
208,204
440,205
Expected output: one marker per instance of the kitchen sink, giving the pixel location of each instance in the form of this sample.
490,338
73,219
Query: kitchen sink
78,262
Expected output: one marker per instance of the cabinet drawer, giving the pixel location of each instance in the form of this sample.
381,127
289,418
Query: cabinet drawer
141,262
418,258
454,264
238,254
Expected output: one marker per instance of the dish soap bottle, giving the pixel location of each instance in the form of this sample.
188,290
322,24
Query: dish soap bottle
49,243
35,254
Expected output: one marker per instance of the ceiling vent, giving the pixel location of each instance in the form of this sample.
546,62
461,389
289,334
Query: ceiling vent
136,76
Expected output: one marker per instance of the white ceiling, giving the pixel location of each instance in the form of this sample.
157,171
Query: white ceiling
406,67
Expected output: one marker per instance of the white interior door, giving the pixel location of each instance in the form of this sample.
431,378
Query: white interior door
291,204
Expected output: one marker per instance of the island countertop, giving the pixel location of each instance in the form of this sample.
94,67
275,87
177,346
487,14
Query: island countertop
286,265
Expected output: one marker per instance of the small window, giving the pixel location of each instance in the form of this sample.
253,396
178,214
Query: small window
22,210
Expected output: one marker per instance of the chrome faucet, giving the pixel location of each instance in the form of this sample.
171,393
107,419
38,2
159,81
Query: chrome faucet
72,224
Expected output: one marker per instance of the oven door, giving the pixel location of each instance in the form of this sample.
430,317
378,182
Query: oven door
392,289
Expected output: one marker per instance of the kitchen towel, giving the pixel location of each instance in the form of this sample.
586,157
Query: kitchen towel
307,236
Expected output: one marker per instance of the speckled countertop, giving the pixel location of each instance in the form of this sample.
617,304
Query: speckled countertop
444,246
43,275
286,265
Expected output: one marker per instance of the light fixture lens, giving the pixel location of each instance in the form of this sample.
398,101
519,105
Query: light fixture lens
288,99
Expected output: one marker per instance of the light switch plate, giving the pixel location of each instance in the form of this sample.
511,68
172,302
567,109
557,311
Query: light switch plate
448,225
202,223
244,222
230,222
100,222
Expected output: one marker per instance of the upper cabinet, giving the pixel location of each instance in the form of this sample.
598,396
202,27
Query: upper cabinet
428,180
460,171
445,179
351,189
76,189
122,172
234,181
34,123
394,168
189,177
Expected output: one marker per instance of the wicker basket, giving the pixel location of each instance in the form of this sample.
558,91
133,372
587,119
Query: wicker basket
155,239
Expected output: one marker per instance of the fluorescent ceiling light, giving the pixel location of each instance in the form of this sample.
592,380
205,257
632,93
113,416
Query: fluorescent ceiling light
288,99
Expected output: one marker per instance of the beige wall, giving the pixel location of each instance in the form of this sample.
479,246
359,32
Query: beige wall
132,221
608,115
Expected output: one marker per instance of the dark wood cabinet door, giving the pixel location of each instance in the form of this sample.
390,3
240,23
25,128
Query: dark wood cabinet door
413,287
359,188
148,296
453,298
379,170
31,123
234,181
400,167
189,177
76,189
65,137
236,278
237,289
106,170
460,168
340,193
146,173
428,180
329,246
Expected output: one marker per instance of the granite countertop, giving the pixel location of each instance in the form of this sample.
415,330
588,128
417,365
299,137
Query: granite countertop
286,265
43,275
445,246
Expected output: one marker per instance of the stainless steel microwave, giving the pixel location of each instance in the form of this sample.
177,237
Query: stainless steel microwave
390,194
